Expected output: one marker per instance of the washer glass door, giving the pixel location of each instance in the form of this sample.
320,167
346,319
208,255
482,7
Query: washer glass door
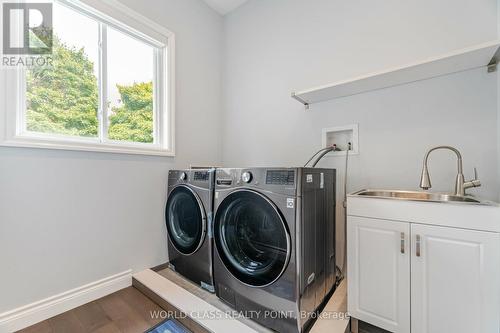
186,221
251,238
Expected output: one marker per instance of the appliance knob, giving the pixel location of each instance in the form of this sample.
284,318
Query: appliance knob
246,176
182,176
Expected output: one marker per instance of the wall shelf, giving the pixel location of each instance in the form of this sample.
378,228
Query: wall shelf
483,55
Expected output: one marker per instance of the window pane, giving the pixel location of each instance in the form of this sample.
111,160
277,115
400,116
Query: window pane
63,99
130,88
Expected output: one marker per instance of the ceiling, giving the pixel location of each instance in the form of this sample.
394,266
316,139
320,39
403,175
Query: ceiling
225,6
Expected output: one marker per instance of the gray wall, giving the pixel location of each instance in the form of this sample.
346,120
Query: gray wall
275,47
71,218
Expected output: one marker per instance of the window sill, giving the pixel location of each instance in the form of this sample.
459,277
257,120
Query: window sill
77,145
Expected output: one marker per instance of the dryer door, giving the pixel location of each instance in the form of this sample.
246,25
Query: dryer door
251,238
186,220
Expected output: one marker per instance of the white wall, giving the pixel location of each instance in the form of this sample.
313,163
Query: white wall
70,218
275,47
498,98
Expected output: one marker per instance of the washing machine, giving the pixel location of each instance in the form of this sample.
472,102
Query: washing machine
274,236
188,216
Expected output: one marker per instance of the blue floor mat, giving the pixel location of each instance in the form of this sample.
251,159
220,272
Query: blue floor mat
169,326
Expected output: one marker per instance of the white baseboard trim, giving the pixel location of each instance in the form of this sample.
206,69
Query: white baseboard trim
33,313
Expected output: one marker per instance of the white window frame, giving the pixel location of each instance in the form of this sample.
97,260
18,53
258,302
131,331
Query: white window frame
113,14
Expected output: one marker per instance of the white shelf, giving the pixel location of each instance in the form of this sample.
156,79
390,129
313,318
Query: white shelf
486,54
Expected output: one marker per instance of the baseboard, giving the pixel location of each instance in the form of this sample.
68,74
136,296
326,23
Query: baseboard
33,313
160,267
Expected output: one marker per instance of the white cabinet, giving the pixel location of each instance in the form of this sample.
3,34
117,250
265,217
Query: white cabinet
379,272
409,277
455,279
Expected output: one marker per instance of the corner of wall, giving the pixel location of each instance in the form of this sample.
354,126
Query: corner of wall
498,106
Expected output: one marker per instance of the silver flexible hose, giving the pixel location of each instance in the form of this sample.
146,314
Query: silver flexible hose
315,154
321,156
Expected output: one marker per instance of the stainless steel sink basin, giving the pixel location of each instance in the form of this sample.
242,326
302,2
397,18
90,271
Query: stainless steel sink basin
414,195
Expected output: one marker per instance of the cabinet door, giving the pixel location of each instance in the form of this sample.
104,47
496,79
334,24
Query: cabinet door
379,272
455,280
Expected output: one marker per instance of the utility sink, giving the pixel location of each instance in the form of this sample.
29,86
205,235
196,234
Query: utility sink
415,195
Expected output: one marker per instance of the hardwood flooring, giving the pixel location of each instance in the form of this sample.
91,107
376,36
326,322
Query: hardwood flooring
367,328
126,311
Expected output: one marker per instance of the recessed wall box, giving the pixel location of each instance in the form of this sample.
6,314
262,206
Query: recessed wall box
341,136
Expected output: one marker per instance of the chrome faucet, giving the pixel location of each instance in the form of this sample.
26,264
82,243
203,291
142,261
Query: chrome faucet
460,185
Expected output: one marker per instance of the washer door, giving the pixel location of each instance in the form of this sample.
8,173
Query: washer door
186,220
251,238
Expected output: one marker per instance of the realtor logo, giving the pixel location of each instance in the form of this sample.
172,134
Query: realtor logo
27,28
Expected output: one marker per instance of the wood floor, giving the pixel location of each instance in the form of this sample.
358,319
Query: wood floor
126,311
367,328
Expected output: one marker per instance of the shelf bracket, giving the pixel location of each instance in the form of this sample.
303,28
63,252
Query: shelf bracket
492,67
294,96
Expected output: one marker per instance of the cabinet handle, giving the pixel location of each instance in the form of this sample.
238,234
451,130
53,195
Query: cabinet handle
418,246
403,243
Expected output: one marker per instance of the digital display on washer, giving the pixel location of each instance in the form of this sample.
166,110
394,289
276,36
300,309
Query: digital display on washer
280,177
201,176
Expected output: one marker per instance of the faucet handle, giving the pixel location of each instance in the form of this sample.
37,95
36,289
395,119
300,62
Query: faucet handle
474,182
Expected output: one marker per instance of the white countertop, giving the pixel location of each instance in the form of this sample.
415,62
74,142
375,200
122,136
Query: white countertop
450,214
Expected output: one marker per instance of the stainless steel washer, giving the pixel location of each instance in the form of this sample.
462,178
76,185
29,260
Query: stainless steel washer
188,216
274,236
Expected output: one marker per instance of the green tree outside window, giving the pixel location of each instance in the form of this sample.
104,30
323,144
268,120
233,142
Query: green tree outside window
64,99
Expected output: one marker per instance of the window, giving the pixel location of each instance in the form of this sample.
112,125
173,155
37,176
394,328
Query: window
109,87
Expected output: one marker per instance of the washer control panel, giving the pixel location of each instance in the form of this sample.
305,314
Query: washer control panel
280,177
201,176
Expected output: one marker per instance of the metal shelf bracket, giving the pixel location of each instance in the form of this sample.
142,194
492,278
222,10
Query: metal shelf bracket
306,104
492,67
